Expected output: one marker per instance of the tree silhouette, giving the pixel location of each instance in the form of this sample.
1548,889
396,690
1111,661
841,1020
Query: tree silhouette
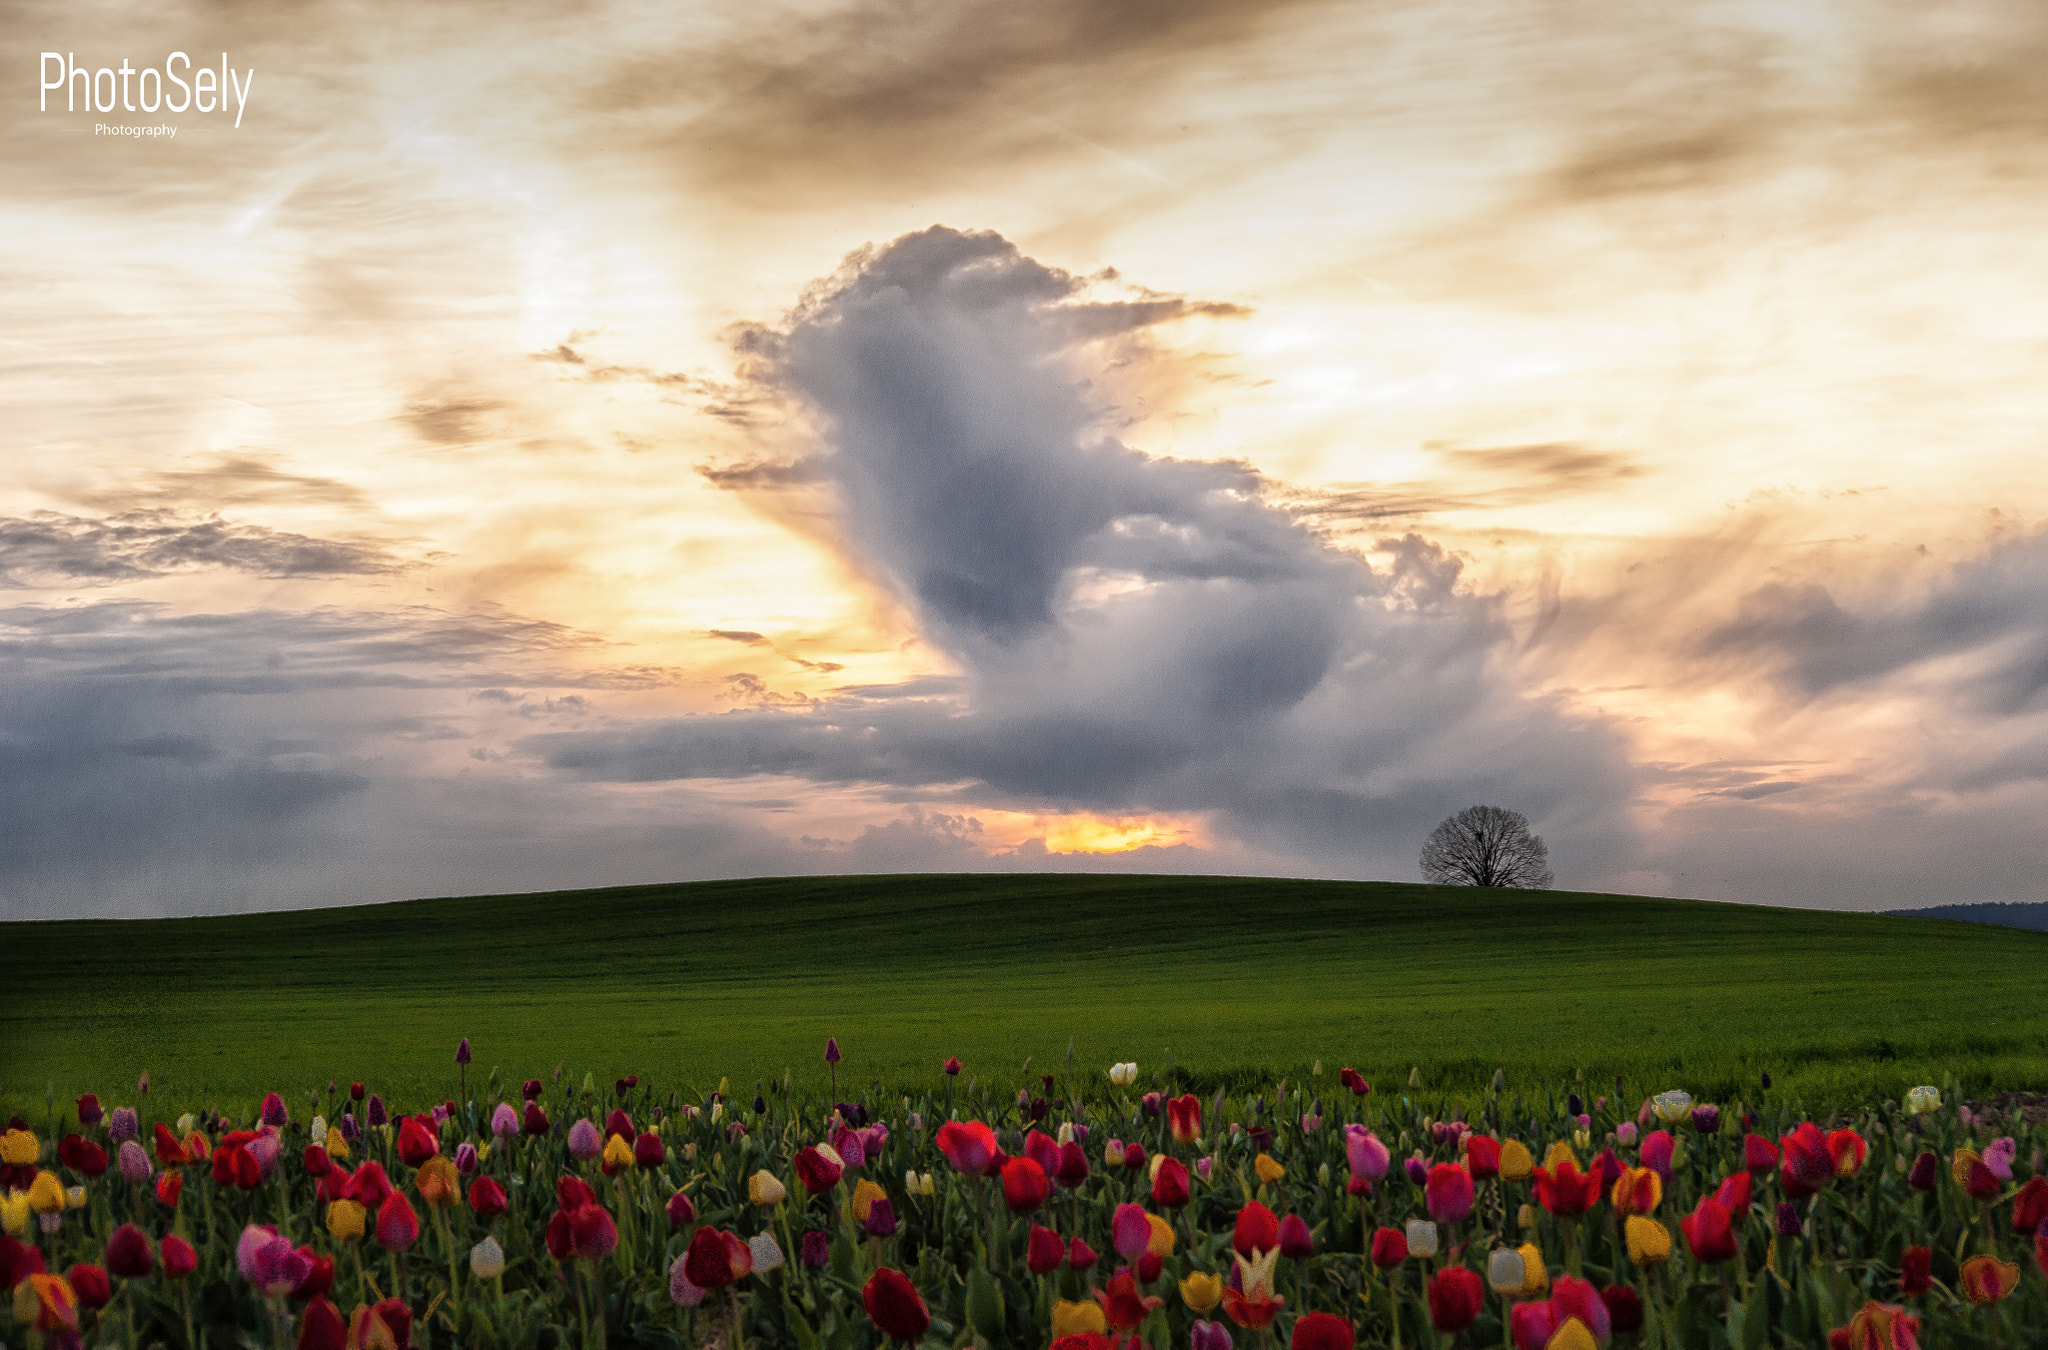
1486,846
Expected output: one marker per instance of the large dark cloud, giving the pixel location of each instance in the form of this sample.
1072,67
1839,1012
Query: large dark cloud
1132,632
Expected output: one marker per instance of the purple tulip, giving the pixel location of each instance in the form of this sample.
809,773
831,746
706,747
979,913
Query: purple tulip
273,1112
1418,1171
831,1049
1706,1119
1626,1133
679,1287
1150,1102
440,1114
89,1112
1204,1166
848,1145
817,1249
270,1262
681,1213
462,1051
1788,1220
349,1129
123,1124
134,1162
377,1114
1922,1177
1209,1336
465,1157
882,1218
584,1142
504,1121
1296,1240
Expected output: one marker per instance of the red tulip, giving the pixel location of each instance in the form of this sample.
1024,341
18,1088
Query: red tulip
355,1091
369,1187
1045,1251
1024,1185
388,1323
1295,1238
179,1258
234,1165
397,1226
1134,1157
1354,1080
1733,1194
82,1155
1982,1182
1042,1149
1916,1271
1170,1184
952,1066
818,1172
1150,1264
89,1283
416,1143
712,1262
535,1121
649,1152
487,1198
1080,1255
571,1192
1073,1169
167,1187
169,1151
1256,1231
18,1261
2030,1206
895,1305
128,1253
1806,1164
1448,1193
620,1124
322,1328
316,1161
1184,1117
1123,1307
1572,1297
681,1213
1482,1156
970,1146
1389,1248
89,1112
1709,1232
1565,1191
1624,1307
1759,1154
1455,1297
590,1232
1322,1331
1847,1151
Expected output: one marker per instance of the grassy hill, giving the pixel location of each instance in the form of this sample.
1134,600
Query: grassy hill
685,983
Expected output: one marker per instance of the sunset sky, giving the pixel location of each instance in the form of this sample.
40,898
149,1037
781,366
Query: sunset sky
555,446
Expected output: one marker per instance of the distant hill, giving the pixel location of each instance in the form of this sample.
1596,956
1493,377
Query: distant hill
2034,916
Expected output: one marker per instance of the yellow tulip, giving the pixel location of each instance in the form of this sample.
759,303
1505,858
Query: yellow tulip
1560,1152
764,1189
75,1198
1071,1319
1161,1241
1268,1170
439,1182
46,1194
337,1147
1515,1161
1959,1166
1535,1277
1649,1242
18,1148
865,1193
345,1220
1525,1217
1201,1292
14,1213
1573,1335
617,1152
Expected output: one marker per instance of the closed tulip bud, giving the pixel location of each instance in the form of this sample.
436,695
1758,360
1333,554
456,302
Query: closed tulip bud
89,1112
1321,1331
585,1142
1649,1242
764,1189
1266,1166
397,1226
1209,1336
487,1259
135,1167
831,1049
1422,1238
1417,1169
417,1141
1389,1248
273,1112
1788,1221
128,1253
1924,1173
881,1218
1624,1308
1296,1240
462,1051
321,1327
1024,1185
377,1113
504,1121
896,1307
1625,1133
123,1124
1505,1271
1916,1271
618,1154
466,1160
1448,1193
1455,1297
487,1198
89,1285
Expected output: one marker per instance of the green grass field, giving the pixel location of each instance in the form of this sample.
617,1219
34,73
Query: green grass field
1218,976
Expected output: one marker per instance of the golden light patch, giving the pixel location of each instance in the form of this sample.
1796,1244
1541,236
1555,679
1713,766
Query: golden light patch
1117,834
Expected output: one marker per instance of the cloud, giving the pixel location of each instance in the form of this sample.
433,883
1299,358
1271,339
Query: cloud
1132,632
48,547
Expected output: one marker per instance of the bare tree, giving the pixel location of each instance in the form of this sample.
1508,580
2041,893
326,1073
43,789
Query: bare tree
1486,846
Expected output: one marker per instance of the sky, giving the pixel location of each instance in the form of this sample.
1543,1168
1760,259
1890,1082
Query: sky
547,447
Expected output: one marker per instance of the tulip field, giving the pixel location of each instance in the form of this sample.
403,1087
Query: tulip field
1085,1210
